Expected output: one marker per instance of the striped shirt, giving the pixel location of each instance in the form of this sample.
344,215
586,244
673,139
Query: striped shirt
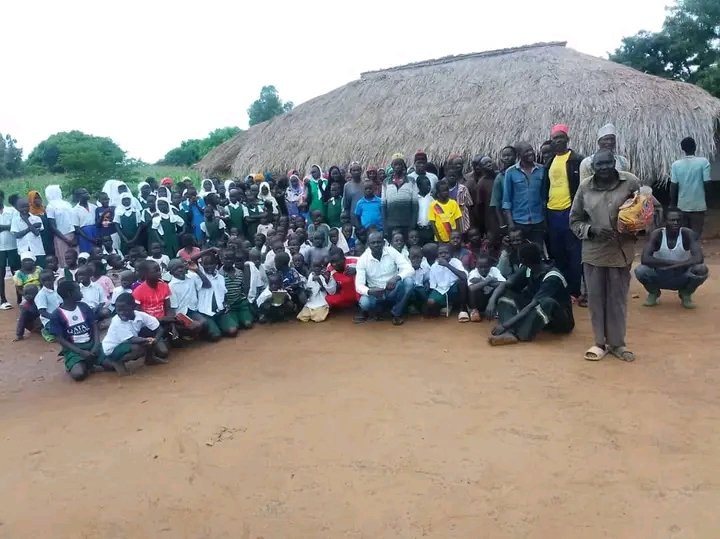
234,284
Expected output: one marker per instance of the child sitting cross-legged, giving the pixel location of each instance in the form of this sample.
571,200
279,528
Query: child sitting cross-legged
238,314
319,284
482,281
127,278
292,281
421,281
184,288
28,318
93,295
448,285
132,334
47,301
274,303
211,300
152,296
74,327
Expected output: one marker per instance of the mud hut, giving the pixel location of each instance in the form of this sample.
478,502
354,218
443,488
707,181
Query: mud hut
477,103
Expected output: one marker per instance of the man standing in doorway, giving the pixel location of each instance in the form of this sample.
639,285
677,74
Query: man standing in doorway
525,195
562,178
687,186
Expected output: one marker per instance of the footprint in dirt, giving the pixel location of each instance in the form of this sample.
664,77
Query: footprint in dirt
223,434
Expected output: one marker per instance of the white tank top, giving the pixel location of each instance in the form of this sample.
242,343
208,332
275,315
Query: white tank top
676,254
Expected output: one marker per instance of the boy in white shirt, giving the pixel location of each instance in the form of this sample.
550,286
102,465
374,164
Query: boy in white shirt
26,229
448,285
92,294
211,299
123,341
163,260
184,289
127,278
319,284
421,280
47,300
425,198
482,281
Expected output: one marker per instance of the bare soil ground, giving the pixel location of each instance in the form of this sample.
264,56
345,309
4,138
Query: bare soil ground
335,430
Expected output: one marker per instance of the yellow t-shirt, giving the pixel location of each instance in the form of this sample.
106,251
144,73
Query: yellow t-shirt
559,196
444,217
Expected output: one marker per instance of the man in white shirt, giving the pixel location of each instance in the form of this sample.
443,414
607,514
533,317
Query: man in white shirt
8,247
448,285
383,278
420,161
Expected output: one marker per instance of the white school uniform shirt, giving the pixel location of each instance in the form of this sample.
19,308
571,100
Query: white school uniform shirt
421,275
317,293
264,229
184,293
494,273
49,300
205,295
29,242
64,218
84,217
423,209
373,273
93,295
7,238
258,280
116,293
441,278
163,262
122,330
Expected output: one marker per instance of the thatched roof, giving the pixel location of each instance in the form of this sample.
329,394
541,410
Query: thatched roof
478,103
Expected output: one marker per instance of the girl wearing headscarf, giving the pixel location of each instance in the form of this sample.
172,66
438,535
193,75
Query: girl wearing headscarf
265,196
335,175
164,228
144,190
128,223
60,221
316,190
38,209
294,196
206,187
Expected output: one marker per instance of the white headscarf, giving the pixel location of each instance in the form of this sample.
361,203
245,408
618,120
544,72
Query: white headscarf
53,196
203,193
139,195
159,216
112,190
342,241
268,198
228,183
605,130
123,211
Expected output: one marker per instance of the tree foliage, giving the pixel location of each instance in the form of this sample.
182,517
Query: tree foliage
192,150
267,106
11,163
87,159
687,48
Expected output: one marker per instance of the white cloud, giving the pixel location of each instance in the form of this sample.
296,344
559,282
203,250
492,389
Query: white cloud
152,73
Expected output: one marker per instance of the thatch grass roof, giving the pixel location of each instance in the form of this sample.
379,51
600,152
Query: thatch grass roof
478,103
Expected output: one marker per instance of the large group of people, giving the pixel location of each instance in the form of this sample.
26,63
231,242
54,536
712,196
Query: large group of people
134,274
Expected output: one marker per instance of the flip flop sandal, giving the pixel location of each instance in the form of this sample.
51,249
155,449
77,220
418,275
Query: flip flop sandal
623,354
595,353
463,317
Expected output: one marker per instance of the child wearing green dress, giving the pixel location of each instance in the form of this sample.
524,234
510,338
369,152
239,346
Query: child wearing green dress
213,228
128,223
164,228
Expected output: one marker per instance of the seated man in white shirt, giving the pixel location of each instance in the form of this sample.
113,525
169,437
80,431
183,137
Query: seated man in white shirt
383,278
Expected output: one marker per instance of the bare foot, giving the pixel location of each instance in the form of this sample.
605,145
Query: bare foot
155,360
119,367
502,339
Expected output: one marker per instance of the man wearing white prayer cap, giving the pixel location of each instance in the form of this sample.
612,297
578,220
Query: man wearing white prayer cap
607,140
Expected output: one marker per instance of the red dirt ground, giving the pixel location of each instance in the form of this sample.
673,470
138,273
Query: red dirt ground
334,430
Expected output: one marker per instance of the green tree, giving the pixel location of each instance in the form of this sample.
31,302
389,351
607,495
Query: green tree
11,163
87,159
267,106
191,151
687,48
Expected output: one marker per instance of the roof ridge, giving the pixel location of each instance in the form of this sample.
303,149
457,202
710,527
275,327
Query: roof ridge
454,58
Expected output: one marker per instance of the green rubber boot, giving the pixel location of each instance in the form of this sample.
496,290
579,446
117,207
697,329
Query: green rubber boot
686,300
652,299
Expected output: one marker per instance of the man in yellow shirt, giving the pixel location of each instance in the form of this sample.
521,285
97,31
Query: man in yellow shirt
444,213
563,179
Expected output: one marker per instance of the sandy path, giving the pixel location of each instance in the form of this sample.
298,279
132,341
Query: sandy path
365,432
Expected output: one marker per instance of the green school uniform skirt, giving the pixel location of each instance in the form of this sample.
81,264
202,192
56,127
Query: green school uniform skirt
72,358
129,227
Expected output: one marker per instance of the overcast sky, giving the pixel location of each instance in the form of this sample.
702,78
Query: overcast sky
150,73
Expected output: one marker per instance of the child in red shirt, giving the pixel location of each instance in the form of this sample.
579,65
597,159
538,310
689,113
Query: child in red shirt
342,269
153,297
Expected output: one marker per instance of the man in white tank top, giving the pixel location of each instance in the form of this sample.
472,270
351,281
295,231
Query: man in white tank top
672,260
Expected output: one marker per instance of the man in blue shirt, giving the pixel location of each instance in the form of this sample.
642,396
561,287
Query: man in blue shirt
687,186
525,195
368,210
